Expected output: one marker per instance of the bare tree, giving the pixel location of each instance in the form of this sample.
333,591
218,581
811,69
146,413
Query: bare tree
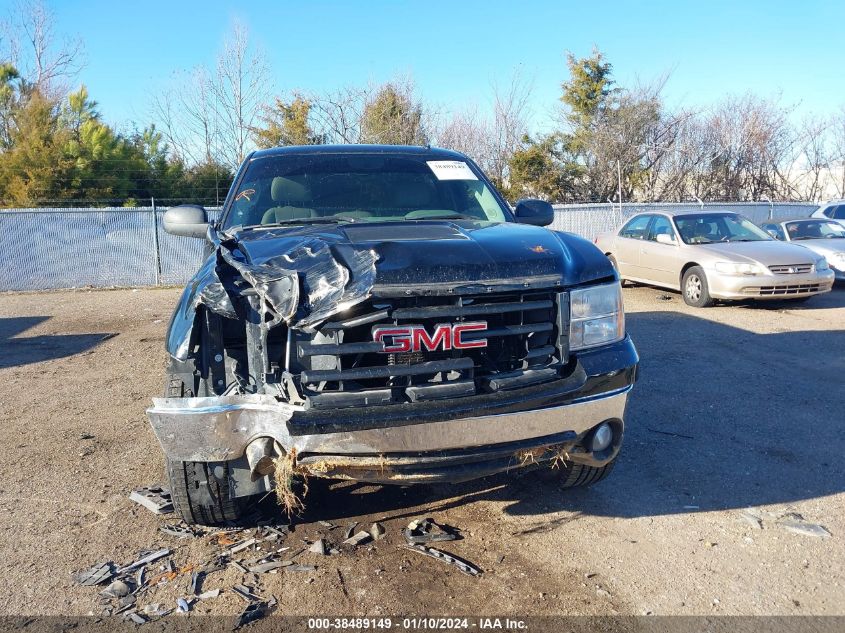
187,117
468,132
510,124
337,113
240,89
811,174
44,62
837,132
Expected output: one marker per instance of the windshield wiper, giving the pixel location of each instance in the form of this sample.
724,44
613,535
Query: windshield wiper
333,219
445,216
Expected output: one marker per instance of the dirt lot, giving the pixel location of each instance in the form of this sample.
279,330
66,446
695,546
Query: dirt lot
737,407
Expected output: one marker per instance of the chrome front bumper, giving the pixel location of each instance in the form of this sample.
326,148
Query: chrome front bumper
768,286
220,428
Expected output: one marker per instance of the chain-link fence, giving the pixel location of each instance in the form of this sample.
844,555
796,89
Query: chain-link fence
75,248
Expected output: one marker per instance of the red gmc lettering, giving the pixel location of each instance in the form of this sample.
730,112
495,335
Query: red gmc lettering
458,331
415,338
400,339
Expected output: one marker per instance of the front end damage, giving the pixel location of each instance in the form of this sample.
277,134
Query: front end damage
276,360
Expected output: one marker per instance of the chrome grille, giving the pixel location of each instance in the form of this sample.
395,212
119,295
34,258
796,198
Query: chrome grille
341,364
794,289
792,269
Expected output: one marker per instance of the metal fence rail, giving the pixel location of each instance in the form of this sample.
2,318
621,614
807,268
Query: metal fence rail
74,248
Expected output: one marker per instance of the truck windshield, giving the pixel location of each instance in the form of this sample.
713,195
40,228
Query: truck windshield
718,227
353,187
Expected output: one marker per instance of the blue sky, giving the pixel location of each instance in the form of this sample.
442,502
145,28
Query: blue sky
455,49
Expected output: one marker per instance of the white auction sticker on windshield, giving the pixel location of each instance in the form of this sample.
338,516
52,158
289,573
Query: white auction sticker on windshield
451,170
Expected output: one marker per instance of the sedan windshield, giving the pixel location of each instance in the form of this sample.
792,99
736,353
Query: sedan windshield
360,187
814,230
711,228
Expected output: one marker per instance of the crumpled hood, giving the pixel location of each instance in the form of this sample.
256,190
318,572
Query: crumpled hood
418,253
303,275
767,253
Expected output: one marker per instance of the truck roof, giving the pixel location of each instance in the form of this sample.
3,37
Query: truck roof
435,153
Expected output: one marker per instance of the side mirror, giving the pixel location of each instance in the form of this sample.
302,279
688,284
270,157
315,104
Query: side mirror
664,238
536,212
773,233
187,220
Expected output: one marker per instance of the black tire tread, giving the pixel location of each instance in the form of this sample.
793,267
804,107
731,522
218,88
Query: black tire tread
186,480
580,475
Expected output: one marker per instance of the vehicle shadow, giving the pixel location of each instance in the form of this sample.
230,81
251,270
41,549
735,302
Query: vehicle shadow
720,418
23,350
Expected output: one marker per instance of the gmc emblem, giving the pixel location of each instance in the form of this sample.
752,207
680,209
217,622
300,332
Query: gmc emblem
415,338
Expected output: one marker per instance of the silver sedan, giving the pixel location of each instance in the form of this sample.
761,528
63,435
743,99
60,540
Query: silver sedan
823,237
713,255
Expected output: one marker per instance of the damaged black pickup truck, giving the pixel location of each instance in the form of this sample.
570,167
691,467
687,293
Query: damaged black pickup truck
380,314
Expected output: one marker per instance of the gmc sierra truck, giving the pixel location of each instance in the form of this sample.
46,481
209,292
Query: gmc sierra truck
381,314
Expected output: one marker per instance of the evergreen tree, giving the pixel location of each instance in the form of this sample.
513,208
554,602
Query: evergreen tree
287,124
392,117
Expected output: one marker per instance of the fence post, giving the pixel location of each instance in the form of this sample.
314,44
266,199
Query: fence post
155,243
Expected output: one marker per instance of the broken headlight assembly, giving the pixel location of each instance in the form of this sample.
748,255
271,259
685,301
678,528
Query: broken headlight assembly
596,316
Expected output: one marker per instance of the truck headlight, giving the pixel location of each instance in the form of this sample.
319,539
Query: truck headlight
734,268
596,316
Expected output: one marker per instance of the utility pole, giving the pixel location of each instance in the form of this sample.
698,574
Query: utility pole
771,206
156,246
619,176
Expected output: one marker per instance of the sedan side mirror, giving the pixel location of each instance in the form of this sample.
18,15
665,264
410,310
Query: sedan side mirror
773,233
665,238
536,212
187,220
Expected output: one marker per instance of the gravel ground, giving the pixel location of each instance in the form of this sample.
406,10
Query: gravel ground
737,407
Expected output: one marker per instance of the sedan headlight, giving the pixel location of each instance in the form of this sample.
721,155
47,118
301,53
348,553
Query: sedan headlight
837,260
734,268
596,316
822,265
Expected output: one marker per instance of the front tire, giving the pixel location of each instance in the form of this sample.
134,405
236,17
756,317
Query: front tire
694,288
201,493
571,475
200,490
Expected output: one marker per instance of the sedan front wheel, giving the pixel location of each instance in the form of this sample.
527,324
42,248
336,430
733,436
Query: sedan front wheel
694,288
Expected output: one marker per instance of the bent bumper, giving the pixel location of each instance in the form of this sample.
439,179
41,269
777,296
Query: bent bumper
768,286
446,440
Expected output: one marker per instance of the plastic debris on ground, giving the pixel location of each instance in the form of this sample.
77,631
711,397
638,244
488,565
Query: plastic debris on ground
179,531
252,612
155,498
208,595
145,560
427,531
464,566
358,539
377,531
95,575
